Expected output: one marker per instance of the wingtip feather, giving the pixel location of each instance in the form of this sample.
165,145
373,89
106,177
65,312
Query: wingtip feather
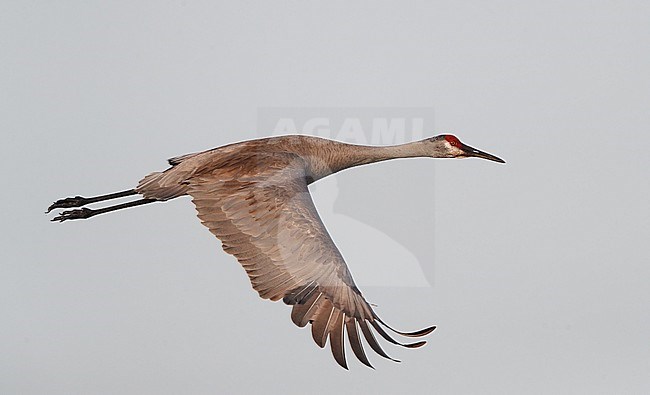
370,338
418,333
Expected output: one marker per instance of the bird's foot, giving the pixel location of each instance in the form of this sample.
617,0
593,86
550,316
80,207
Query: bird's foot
81,213
76,201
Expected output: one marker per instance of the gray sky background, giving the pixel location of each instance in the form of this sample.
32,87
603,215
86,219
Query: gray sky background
540,277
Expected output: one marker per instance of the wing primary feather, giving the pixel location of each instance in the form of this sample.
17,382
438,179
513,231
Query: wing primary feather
367,333
300,310
321,323
355,341
391,340
336,341
311,311
420,333
307,295
301,294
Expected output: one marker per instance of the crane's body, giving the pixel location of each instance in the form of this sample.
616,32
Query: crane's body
321,157
253,196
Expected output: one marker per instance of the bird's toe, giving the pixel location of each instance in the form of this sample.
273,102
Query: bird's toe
73,214
76,201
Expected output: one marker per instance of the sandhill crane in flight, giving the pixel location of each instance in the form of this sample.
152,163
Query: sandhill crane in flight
253,196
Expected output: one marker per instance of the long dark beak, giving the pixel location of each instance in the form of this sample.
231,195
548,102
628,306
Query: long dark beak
469,152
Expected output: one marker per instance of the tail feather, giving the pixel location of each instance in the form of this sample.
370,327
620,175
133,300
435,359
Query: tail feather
158,186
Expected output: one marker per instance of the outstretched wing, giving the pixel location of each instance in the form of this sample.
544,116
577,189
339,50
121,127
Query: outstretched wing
260,208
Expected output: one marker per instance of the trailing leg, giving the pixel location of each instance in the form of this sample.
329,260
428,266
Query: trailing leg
79,201
84,213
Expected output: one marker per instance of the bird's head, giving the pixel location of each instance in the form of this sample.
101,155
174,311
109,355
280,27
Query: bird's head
448,146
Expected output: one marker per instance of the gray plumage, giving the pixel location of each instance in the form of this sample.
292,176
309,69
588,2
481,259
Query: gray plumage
254,197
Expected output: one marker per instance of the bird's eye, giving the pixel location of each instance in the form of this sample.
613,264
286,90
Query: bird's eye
453,140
